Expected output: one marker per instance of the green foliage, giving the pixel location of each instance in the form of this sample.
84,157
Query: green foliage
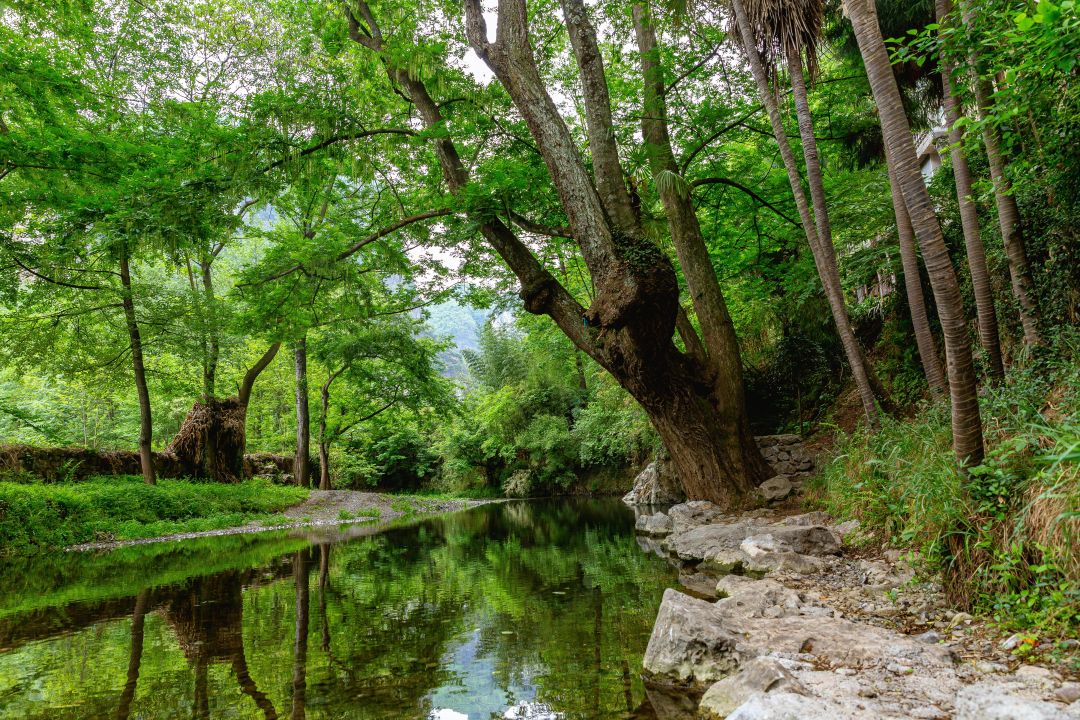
1005,535
536,415
41,515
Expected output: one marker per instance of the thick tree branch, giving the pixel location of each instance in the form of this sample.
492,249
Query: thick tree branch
253,374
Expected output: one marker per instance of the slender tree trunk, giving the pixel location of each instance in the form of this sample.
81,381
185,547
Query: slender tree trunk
213,343
920,322
1012,235
138,620
865,380
900,152
969,216
146,423
813,239
301,569
324,439
302,465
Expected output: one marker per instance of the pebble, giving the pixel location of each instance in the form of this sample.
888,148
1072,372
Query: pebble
898,669
930,637
846,672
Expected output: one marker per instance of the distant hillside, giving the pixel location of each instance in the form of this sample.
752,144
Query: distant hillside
461,325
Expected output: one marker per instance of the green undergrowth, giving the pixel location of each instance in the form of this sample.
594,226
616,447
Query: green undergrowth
1005,536
45,515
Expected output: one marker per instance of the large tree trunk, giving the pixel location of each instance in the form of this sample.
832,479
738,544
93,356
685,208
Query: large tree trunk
900,153
969,217
827,272
628,328
920,322
1012,236
212,440
723,366
302,466
146,423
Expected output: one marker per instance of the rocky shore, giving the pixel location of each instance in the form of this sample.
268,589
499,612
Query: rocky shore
780,619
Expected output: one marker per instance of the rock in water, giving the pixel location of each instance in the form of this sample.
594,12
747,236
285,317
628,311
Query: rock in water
656,525
689,645
657,484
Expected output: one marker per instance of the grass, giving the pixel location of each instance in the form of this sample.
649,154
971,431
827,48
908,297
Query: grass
43,515
1004,535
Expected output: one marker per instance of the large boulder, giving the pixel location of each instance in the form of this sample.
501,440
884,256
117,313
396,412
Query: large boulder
760,675
656,525
985,701
689,646
702,543
657,484
805,539
790,706
775,488
695,513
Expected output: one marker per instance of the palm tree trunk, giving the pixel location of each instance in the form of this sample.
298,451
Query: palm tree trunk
146,423
969,217
843,326
1012,236
900,153
924,338
830,272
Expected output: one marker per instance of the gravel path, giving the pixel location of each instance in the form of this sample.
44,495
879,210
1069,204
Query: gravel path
323,508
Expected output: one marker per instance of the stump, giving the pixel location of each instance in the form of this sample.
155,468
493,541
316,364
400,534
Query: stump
210,442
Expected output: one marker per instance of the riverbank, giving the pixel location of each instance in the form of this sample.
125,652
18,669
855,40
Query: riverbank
105,512
794,615
322,508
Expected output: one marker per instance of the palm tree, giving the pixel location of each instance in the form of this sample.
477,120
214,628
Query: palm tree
969,215
788,30
1012,236
909,259
902,160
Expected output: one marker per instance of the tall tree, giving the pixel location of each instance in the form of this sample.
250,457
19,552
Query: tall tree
791,31
1009,221
920,321
629,325
902,160
969,214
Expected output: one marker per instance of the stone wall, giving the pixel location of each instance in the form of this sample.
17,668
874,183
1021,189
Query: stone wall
76,463
786,455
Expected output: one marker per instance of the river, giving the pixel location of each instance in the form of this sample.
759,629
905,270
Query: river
531,609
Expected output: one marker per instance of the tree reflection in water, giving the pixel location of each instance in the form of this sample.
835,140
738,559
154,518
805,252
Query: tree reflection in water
542,605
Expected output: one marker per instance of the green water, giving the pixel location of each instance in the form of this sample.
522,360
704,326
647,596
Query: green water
525,609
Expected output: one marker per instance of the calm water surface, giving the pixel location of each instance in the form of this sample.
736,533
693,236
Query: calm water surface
515,610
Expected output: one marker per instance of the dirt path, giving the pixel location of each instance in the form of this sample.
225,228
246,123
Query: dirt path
323,508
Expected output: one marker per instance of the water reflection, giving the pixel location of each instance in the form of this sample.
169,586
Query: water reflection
521,611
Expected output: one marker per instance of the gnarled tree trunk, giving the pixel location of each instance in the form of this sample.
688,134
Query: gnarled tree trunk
900,154
628,328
